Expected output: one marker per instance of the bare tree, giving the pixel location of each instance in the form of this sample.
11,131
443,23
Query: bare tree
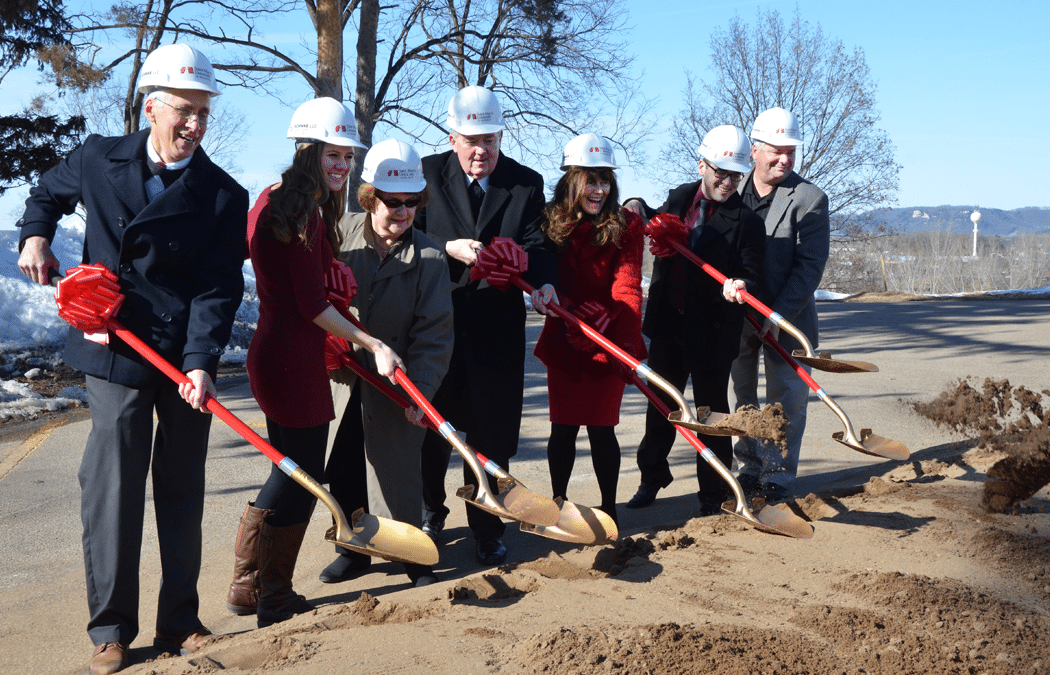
798,67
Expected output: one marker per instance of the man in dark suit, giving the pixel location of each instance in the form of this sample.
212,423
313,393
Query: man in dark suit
798,233
692,321
479,193
171,224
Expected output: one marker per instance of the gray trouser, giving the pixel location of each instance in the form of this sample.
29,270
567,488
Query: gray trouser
755,456
121,450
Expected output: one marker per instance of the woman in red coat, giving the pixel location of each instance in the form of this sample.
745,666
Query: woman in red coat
600,261
291,236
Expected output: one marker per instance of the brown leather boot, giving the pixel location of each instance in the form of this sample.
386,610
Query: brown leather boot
278,551
243,597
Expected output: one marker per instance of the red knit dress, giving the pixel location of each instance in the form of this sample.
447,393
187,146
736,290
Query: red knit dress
584,388
286,369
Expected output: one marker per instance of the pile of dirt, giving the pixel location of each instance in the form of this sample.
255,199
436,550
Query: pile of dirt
1010,420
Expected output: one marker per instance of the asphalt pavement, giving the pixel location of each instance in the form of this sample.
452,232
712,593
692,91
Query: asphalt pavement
921,349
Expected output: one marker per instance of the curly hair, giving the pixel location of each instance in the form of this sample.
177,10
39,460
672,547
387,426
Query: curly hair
564,213
302,188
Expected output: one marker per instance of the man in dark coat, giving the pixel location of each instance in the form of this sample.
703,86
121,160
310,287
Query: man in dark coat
480,193
171,225
692,321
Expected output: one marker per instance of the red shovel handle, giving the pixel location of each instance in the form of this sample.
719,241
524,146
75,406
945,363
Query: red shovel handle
779,348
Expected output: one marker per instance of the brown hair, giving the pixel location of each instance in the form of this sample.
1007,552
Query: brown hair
293,201
564,213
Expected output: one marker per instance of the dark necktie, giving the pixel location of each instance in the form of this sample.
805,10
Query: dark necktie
155,184
680,266
477,195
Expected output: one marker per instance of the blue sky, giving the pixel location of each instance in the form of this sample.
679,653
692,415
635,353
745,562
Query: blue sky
963,88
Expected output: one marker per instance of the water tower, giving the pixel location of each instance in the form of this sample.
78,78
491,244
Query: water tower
976,218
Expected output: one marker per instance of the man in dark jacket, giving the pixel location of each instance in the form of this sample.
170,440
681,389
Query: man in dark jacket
692,321
171,225
479,193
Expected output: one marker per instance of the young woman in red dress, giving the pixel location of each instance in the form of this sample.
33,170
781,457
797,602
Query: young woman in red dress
600,261
291,237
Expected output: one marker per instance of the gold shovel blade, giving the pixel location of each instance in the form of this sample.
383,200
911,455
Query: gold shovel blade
771,519
385,538
514,502
873,444
578,525
827,364
705,425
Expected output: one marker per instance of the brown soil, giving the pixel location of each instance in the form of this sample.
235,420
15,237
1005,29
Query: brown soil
1008,420
767,422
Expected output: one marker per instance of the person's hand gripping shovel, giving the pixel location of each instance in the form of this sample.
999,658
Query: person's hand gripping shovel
89,298
504,261
537,514
668,235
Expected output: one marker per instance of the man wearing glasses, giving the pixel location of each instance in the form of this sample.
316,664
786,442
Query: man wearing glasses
798,233
692,321
171,225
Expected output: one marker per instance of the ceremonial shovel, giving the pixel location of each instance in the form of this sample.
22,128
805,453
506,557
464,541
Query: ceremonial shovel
668,234
89,298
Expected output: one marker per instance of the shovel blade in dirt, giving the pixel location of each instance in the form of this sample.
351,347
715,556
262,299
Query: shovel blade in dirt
384,538
578,525
771,519
873,444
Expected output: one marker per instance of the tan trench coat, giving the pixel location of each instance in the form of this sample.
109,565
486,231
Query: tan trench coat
405,301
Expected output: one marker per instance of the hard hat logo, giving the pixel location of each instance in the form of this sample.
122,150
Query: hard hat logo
186,69
393,166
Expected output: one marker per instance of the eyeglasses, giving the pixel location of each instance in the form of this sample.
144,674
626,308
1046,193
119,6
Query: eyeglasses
733,176
185,113
391,203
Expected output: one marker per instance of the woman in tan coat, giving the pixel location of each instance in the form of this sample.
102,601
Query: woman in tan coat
404,299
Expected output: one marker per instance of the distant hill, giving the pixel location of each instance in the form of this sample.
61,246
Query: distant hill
994,222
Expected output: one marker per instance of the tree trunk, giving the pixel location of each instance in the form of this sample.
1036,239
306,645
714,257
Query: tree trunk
364,95
329,24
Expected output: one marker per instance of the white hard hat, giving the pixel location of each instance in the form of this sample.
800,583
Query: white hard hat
326,120
177,66
727,148
588,150
393,166
776,126
474,111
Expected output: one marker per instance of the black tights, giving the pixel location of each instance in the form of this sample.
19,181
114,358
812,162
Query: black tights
290,502
605,456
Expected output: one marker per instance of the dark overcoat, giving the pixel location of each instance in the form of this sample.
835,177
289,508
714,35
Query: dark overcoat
487,371
733,242
178,257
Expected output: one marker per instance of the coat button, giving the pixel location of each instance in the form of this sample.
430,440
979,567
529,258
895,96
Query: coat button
125,268
166,317
214,350
174,246
121,223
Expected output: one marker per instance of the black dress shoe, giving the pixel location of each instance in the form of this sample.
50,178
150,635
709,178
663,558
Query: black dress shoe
433,530
490,552
645,496
710,509
346,566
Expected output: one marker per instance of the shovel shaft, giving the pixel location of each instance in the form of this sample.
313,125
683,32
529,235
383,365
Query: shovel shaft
817,389
644,372
777,319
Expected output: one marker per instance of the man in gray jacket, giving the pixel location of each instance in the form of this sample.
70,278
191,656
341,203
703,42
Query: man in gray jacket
798,233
